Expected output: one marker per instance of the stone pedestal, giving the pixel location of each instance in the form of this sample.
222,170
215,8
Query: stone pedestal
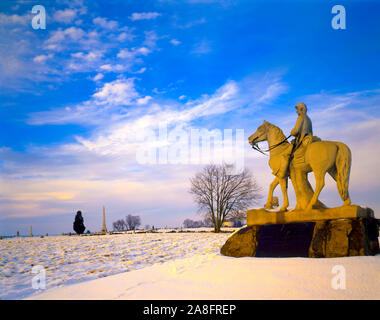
262,216
322,233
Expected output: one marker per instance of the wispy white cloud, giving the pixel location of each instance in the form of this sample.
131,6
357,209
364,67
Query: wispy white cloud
175,42
113,68
61,37
118,136
98,76
65,16
109,98
121,92
18,48
326,107
202,47
272,92
142,70
151,39
190,24
144,100
42,58
125,36
84,61
118,92
144,16
89,56
70,12
133,53
14,19
64,50
105,23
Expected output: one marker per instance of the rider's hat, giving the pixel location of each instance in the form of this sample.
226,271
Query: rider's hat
301,107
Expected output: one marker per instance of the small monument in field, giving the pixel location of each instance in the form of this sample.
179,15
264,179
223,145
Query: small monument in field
104,228
311,229
31,232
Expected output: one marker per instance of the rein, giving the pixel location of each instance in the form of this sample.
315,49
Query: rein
257,148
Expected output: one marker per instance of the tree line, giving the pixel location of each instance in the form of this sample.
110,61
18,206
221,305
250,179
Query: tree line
131,222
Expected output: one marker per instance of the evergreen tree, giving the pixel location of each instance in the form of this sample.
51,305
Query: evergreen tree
78,225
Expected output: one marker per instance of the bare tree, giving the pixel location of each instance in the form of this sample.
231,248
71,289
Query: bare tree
220,195
119,225
132,221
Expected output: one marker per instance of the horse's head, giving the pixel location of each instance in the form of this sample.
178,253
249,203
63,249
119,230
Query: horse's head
261,134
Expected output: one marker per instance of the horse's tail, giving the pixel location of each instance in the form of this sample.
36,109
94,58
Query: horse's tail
343,168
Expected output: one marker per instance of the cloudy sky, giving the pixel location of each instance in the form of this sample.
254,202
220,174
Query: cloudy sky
75,98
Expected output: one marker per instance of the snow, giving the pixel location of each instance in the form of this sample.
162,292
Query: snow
173,266
212,276
72,259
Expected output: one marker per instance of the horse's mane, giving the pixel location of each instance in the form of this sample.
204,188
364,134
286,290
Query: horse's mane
278,131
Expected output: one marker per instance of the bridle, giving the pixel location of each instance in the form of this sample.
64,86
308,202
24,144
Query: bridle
257,148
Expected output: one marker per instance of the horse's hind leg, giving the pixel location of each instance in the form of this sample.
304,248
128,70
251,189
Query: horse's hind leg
272,186
333,173
320,183
284,189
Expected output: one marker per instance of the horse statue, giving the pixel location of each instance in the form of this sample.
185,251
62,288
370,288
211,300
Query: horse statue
315,156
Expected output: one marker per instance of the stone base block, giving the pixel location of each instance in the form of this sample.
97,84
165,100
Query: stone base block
262,216
314,239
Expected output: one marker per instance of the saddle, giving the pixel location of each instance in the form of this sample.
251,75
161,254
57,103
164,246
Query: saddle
280,163
309,139
299,153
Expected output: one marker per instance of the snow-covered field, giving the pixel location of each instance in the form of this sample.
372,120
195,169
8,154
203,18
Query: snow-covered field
72,259
172,266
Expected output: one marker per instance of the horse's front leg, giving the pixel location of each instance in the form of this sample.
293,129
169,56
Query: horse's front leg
272,186
284,189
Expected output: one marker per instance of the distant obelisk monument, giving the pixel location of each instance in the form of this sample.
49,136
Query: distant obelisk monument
31,232
104,228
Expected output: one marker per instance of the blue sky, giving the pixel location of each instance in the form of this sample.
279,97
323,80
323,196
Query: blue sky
72,97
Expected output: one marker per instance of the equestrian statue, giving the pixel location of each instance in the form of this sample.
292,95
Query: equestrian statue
306,153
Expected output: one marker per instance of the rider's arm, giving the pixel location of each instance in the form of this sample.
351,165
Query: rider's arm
296,130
